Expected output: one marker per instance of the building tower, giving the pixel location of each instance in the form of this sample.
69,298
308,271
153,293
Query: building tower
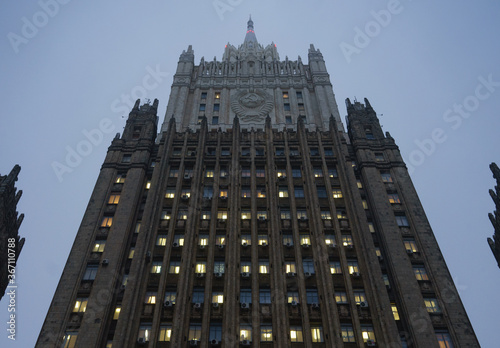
495,217
253,219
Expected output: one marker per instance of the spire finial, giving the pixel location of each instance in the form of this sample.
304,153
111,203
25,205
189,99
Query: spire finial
250,36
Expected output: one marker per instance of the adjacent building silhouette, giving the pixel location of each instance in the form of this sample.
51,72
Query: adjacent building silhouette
252,218
495,217
10,242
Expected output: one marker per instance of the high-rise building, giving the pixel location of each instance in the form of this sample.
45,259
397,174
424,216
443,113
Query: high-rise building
253,219
10,242
495,216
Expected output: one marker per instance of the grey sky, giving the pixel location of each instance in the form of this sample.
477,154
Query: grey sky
420,65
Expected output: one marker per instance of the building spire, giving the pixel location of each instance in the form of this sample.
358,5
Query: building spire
250,36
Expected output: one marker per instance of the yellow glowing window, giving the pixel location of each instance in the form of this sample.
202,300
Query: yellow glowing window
330,239
170,193
175,267
150,298
156,267
420,273
281,173
209,173
69,339
245,268
245,215
411,245
99,246
296,334
353,267
377,252
290,267
348,333
263,267
365,204
186,193
285,95
394,198
292,296
165,333
335,267
317,334
107,221
217,95
305,240
179,239
217,297
120,179
359,296
263,240
246,240
148,185
223,193
283,193
432,305
80,305
340,297
395,311
114,199
246,192
246,333
360,185
326,215
161,240
346,240
222,215
261,194
220,240
205,215
203,241
131,253
318,172
201,267
337,193
182,215
341,214
266,333
371,228
116,314
367,333
137,227
165,215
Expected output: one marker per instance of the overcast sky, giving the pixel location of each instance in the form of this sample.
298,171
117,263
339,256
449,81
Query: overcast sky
429,68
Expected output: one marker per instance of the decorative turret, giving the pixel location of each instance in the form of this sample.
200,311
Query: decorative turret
250,36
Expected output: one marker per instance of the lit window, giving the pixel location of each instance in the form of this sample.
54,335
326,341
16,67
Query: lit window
203,241
283,192
120,179
179,239
301,214
186,193
246,192
165,333
114,199
150,298
209,173
161,240
261,192
330,239
341,214
217,95
332,173
285,95
246,267
201,267
263,240
347,333
367,333
182,214
246,239
371,227
246,173
116,313
148,184
305,239
69,339
385,278
131,253
218,297
107,221
402,221
337,193
290,267
245,332
292,296
281,173
444,339
365,204
347,240
222,215
432,305
359,296
80,305
296,334
386,177
263,266
170,296
223,193
266,333
318,172
410,245
165,215
194,332
170,193
246,214
420,273
156,267
317,333
353,266
394,198
341,297
145,332
205,215
99,246
395,311
90,272
220,239
335,267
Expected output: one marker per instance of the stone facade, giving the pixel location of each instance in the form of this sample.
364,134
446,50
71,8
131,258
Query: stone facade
255,232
